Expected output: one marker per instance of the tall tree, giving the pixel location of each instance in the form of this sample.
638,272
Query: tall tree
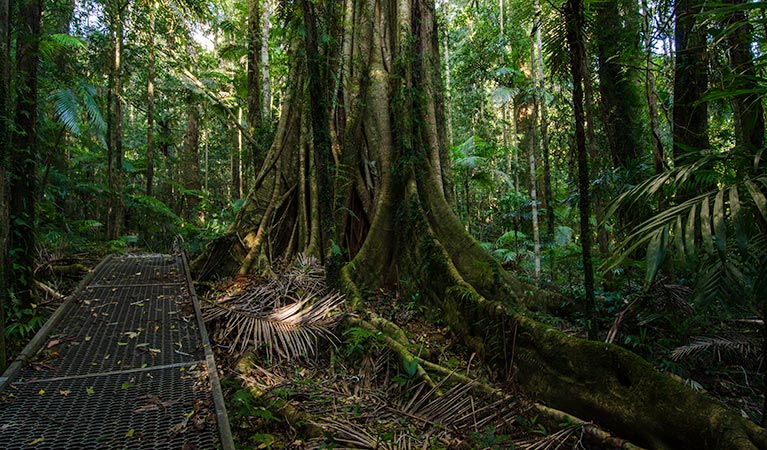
617,45
150,100
547,194
575,42
254,110
266,96
690,114
190,163
22,183
5,149
747,106
115,212
651,92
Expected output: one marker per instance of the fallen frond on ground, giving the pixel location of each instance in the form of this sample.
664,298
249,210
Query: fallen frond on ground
288,315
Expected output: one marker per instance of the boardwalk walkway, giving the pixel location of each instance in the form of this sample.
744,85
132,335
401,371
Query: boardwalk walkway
124,363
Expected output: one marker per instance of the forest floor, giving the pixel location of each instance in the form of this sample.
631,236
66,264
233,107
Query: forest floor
357,393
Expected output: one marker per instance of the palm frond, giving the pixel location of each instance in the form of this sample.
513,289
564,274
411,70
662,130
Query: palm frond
288,315
67,110
88,94
552,441
738,346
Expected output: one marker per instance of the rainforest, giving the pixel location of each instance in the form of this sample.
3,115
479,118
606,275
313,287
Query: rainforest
410,223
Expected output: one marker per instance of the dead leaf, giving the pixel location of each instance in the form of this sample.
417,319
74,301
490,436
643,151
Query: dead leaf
54,343
65,392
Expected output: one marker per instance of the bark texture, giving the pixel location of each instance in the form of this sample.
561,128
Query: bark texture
5,148
690,116
395,228
22,179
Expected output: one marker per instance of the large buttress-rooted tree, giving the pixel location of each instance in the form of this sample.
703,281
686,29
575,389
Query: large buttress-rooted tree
380,144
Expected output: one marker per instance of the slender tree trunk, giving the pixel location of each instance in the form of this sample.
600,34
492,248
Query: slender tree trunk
22,178
652,93
115,211
254,101
150,103
5,150
533,179
236,160
547,194
574,18
266,96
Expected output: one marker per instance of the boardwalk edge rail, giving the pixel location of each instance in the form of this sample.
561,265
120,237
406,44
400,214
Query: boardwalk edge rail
39,338
227,441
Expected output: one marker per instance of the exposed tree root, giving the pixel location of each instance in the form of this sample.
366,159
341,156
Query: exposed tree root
407,358
303,422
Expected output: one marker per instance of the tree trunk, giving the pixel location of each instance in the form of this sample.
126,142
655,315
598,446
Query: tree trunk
533,179
190,164
652,94
115,211
150,103
235,160
547,194
574,18
690,115
5,150
616,44
398,231
254,101
266,96
22,178
747,107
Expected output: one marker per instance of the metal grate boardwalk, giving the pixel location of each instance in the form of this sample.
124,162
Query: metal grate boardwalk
123,363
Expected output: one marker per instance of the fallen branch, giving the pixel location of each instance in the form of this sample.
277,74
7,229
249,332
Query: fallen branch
49,290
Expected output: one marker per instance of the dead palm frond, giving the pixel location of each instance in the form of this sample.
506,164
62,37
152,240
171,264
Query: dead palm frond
288,315
457,410
738,345
562,439
426,417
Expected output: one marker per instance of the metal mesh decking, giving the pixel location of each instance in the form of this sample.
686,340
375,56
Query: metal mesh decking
126,365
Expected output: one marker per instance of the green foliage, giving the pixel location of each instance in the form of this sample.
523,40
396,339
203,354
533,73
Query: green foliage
357,339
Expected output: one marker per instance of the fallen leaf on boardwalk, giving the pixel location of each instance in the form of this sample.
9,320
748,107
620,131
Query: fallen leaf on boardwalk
132,334
88,338
130,433
54,343
37,441
41,391
127,385
65,392
90,390
122,343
